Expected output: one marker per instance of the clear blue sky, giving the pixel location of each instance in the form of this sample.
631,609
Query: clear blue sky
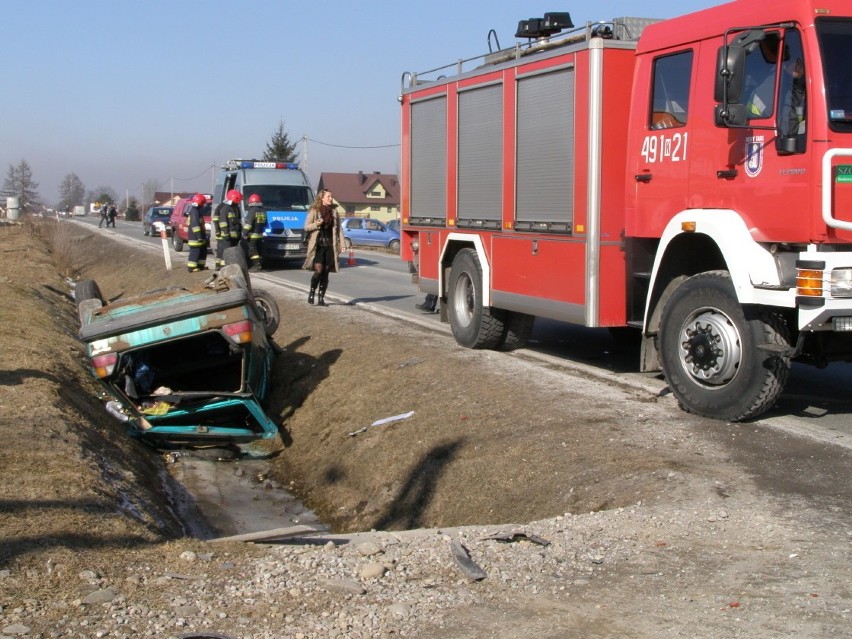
122,92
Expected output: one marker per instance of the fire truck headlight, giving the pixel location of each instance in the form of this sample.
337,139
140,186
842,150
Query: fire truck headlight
841,282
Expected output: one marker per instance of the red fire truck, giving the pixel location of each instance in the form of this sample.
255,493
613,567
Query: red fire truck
690,178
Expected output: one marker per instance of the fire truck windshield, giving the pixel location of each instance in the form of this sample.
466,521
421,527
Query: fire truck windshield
835,39
280,197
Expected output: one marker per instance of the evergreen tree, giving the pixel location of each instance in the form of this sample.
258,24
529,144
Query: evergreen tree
71,192
19,183
279,148
132,212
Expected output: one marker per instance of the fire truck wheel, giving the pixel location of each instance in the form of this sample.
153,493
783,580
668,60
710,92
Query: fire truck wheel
517,331
177,243
269,310
710,350
473,326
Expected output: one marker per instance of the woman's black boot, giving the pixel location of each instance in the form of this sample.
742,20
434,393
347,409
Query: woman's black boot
321,298
311,294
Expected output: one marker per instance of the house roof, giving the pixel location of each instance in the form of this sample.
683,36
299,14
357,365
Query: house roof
352,188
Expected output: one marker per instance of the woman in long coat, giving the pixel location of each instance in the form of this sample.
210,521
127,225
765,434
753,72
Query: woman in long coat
324,244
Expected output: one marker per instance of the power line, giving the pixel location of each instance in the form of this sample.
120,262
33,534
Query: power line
344,146
191,178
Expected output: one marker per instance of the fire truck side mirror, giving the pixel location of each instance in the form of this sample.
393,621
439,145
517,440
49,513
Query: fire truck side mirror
730,74
730,115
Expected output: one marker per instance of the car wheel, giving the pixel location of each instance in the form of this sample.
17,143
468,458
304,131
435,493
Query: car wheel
347,243
236,255
87,297
269,310
473,325
394,246
714,351
177,243
145,231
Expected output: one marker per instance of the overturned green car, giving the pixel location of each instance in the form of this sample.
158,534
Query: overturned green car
187,368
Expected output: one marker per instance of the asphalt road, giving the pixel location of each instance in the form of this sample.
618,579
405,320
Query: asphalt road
816,403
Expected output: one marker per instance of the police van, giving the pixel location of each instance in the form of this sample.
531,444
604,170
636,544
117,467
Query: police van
286,194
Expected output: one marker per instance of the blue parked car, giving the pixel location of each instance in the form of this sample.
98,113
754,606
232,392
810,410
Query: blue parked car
365,231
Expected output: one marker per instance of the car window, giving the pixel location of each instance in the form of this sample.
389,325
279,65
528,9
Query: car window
372,225
354,224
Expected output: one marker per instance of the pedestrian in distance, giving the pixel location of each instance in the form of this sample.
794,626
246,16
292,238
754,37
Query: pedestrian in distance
253,230
229,224
111,215
104,216
324,244
196,235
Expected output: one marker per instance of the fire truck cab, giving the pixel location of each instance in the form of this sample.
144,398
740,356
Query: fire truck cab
690,178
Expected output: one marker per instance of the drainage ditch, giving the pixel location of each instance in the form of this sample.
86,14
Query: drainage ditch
221,499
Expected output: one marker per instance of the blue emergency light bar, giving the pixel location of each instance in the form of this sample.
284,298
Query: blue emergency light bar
252,164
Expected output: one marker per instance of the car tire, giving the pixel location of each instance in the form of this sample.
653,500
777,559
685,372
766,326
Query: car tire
145,231
347,243
236,255
269,310
393,245
177,243
87,297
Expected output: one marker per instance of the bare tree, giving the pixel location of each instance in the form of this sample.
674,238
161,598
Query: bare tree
71,192
19,183
149,187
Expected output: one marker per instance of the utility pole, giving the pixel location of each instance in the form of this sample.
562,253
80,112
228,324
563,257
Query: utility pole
305,153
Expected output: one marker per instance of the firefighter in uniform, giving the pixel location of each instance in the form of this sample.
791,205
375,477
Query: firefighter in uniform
253,229
229,225
196,235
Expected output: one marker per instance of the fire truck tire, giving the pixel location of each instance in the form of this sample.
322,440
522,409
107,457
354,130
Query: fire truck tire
269,310
710,350
517,330
473,326
177,243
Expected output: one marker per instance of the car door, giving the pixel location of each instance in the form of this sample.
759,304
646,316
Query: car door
355,231
374,233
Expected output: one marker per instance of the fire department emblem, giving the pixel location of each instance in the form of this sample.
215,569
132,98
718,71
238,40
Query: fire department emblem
754,155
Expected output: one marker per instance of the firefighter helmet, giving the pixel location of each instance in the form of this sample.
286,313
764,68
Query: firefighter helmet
199,199
254,198
235,196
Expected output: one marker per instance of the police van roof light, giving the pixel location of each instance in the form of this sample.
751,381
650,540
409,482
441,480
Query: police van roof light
256,164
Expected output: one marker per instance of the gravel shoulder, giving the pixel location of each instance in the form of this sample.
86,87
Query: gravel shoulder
592,509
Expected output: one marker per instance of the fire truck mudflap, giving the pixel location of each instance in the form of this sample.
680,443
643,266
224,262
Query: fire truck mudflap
690,179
